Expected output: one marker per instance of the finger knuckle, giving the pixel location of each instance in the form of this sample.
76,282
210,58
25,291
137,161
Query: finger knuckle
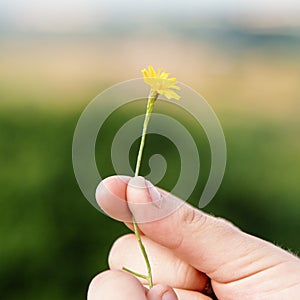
194,217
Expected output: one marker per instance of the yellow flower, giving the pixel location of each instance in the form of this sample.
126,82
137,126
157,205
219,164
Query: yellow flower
161,83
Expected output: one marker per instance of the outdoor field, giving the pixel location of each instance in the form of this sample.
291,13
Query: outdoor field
52,240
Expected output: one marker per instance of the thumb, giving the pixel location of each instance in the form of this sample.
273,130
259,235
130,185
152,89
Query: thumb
211,245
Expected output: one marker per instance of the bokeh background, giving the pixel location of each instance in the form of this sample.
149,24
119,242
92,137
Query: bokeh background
56,56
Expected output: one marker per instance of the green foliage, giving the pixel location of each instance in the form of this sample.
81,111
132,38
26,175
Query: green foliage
52,241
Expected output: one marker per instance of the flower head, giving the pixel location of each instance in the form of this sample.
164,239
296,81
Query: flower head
161,83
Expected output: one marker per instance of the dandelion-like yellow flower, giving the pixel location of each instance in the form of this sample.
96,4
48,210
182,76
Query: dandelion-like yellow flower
161,83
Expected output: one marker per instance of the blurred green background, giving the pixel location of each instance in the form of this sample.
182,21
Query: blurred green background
55,57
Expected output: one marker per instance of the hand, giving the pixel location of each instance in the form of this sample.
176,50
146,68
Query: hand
189,250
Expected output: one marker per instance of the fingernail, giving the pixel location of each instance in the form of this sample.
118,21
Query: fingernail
154,194
169,296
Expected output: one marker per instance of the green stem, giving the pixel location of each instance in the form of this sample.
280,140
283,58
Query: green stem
146,258
135,273
151,99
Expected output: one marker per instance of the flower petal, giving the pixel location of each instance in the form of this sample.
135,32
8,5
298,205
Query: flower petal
160,82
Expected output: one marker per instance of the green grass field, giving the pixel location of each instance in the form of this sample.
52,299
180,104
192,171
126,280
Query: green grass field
52,241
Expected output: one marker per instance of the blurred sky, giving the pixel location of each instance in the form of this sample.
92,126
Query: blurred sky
73,15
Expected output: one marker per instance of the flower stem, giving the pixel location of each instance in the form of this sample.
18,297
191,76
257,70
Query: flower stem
151,99
135,273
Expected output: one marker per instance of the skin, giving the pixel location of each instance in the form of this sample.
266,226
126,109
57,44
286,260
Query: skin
187,249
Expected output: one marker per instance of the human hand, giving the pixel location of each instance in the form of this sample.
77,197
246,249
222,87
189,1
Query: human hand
187,250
